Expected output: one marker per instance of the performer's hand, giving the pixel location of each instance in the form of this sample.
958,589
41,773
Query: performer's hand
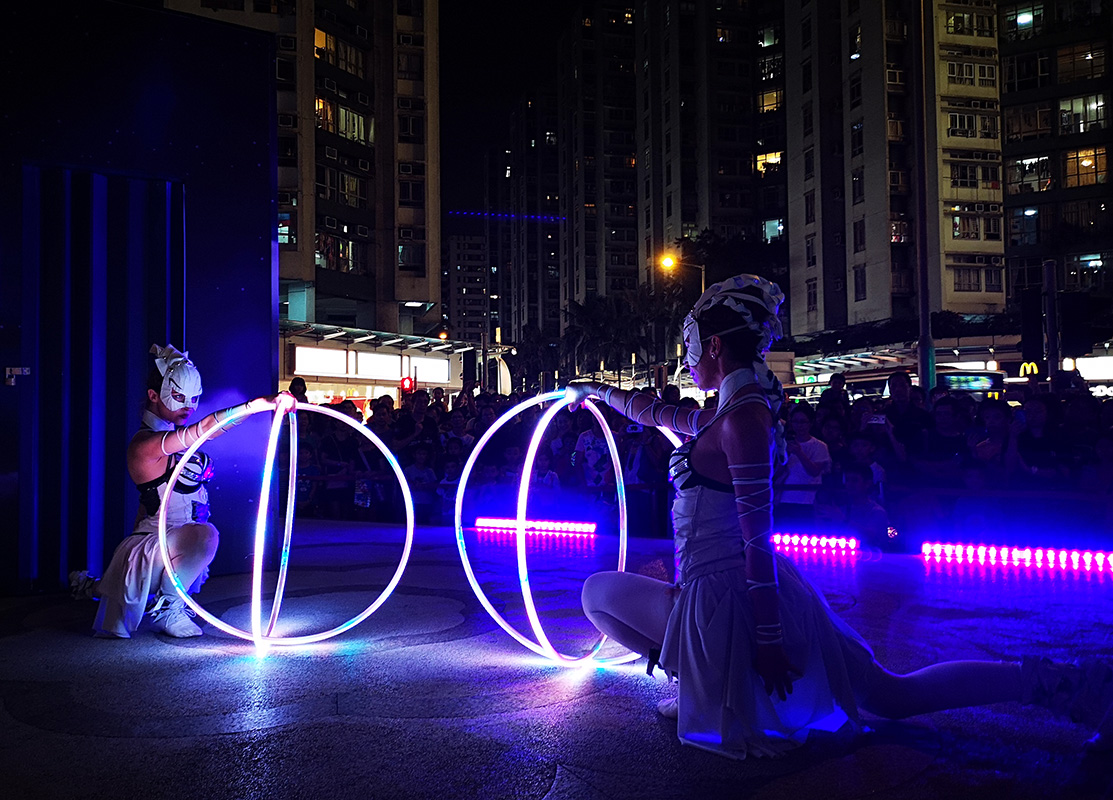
285,402
773,667
582,391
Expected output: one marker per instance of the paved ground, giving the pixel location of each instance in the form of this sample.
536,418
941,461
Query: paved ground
429,698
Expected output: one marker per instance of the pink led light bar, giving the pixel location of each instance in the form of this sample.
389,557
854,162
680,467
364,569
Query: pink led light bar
538,526
1050,558
797,542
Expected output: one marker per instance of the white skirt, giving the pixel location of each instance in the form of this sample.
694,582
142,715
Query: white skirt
723,705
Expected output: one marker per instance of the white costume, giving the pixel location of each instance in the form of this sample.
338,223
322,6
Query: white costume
136,570
710,635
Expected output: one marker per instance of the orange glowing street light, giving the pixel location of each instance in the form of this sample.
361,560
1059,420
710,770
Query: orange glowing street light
668,262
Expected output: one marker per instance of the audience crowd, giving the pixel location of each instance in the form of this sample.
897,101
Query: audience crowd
889,471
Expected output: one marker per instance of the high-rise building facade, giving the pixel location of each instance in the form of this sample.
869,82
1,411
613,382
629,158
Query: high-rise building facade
464,283
595,95
533,219
865,189
1055,95
710,124
358,156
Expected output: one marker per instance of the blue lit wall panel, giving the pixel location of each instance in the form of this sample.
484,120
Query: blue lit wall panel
137,183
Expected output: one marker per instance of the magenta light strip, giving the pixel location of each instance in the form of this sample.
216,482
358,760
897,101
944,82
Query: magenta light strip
792,542
1051,558
537,526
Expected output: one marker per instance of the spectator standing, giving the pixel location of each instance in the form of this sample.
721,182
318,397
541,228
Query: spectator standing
808,460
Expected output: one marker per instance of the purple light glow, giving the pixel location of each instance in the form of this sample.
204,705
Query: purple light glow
538,526
542,646
796,542
1051,559
261,639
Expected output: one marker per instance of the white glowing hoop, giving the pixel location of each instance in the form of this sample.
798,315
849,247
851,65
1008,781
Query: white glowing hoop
257,635
543,647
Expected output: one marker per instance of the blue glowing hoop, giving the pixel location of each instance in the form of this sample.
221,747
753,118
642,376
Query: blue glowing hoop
542,646
260,637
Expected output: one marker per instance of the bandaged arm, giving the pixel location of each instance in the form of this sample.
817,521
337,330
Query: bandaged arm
159,445
745,437
645,409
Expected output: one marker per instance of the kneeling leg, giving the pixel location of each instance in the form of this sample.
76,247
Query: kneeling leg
631,609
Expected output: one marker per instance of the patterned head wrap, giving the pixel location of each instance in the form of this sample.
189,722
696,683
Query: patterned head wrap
742,294
179,376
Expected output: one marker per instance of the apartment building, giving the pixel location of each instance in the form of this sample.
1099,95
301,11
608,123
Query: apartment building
358,200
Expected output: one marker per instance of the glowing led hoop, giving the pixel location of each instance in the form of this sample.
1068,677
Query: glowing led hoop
538,526
542,647
256,634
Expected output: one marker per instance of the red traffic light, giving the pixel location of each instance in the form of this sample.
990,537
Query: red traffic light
406,384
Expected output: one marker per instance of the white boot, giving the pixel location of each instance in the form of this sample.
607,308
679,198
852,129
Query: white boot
171,616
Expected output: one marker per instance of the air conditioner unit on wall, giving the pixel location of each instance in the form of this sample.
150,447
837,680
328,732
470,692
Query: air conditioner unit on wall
330,84
330,222
405,233
287,43
406,169
361,32
330,152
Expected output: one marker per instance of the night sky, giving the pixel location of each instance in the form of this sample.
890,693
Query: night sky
490,55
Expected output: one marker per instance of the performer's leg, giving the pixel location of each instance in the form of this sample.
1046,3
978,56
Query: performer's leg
631,609
951,684
192,548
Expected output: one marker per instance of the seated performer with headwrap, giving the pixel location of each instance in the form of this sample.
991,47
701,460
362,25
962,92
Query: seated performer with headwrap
760,658
136,572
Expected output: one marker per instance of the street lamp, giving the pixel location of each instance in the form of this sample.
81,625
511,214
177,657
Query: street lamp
668,263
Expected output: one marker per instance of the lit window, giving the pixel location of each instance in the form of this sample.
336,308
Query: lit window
1082,114
768,36
772,230
324,46
1023,21
1084,167
1081,62
326,115
1029,175
770,101
965,226
768,163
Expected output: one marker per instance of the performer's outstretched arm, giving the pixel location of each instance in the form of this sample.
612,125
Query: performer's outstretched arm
645,409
